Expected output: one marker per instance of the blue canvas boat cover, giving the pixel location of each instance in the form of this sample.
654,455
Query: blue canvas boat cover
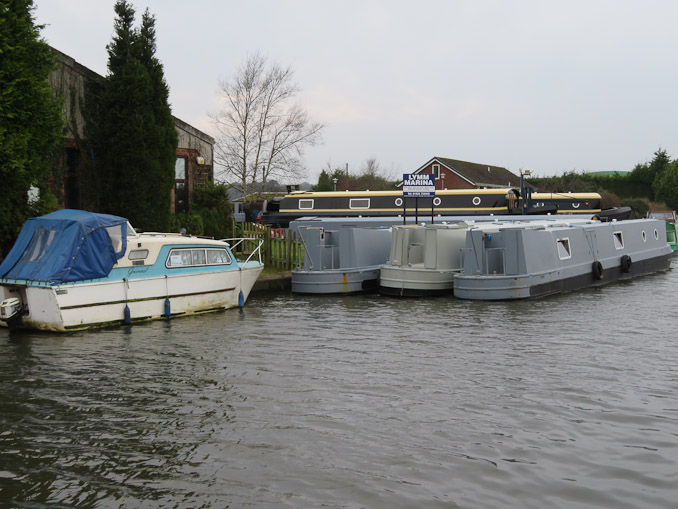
66,245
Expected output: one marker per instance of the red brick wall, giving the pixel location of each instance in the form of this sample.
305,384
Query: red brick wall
451,180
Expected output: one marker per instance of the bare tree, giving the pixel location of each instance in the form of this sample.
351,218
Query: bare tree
261,132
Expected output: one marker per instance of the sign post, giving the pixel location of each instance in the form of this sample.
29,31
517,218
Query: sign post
418,185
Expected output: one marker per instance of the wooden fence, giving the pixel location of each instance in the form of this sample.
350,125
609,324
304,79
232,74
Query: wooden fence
282,249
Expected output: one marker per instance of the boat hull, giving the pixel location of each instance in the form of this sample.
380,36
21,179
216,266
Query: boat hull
76,306
557,281
336,281
523,264
415,281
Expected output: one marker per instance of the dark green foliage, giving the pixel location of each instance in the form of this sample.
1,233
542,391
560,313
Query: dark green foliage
666,185
213,206
639,206
325,182
646,174
619,184
569,182
191,222
130,127
30,118
657,179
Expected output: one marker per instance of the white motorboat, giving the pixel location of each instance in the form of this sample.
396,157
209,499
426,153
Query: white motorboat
72,270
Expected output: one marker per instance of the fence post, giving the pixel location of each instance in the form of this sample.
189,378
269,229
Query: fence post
268,245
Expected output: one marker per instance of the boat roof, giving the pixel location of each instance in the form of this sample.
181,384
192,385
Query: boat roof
66,245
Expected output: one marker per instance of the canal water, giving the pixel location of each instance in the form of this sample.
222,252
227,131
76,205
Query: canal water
365,401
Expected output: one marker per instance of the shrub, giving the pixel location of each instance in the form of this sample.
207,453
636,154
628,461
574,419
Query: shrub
608,199
639,206
192,222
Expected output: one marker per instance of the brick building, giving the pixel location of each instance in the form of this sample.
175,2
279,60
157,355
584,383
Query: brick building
195,150
454,174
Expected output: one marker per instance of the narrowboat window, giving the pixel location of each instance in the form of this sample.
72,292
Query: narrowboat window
138,254
618,240
564,248
656,235
306,204
218,257
359,203
644,236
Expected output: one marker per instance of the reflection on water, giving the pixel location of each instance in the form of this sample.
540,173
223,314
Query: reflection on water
360,401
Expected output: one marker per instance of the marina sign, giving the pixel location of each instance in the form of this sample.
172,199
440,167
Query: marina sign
419,185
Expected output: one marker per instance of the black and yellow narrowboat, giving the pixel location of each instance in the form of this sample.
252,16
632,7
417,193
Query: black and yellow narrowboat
457,202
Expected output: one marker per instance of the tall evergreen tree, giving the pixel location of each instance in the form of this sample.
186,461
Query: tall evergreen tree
161,159
31,121
647,174
130,127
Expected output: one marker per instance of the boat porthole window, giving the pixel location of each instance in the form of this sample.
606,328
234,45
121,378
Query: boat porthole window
644,236
436,201
575,205
398,202
476,200
656,235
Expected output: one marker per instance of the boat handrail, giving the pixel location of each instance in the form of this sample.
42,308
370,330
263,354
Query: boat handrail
303,241
240,240
307,252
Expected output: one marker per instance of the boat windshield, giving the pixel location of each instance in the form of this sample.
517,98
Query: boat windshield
131,232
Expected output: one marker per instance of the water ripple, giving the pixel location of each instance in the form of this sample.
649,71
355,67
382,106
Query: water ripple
359,401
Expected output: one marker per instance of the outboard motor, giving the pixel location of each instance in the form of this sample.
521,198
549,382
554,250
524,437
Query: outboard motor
11,311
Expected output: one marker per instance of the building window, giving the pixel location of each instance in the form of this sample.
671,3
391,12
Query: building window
436,171
180,186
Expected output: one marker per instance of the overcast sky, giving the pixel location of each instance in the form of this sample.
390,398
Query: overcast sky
539,85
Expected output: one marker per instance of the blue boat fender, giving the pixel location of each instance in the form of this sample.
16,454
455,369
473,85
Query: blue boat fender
241,299
168,308
128,315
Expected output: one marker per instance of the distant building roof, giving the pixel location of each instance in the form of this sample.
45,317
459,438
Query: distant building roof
481,175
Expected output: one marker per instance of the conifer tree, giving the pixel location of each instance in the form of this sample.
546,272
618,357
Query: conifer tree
31,121
130,127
